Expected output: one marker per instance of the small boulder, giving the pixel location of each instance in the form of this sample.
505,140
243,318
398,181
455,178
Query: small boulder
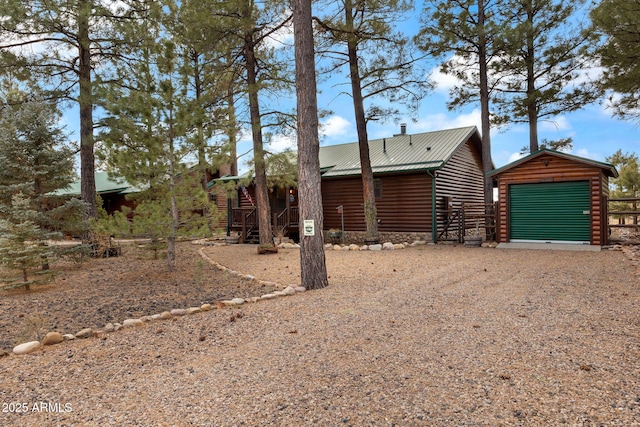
109,327
388,246
26,347
289,290
69,337
205,307
52,338
85,333
165,315
178,312
377,247
268,296
193,310
128,323
300,289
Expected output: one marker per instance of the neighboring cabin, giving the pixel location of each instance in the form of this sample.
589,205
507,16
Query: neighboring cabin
418,177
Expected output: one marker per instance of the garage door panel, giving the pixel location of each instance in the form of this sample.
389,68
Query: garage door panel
550,211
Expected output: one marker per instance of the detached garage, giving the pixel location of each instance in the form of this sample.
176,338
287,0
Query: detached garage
553,197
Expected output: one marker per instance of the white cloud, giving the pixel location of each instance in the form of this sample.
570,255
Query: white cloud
584,152
280,143
516,156
334,126
443,82
444,121
558,123
282,37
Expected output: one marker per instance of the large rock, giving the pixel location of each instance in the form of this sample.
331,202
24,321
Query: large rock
388,246
52,338
377,247
26,347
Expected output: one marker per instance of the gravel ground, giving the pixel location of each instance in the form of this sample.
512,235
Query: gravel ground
428,336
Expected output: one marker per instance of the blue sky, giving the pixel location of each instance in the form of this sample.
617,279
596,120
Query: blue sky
595,133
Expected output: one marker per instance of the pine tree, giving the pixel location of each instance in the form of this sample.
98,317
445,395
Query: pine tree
313,269
546,56
23,242
36,159
618,22
58,43
146,138
468,29
380,62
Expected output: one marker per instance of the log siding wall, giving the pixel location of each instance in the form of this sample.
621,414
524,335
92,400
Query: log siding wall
549,168
461,180
405,204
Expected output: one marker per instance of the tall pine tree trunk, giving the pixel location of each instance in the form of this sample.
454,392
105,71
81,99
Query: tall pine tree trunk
487,166
262,192
368,194
313,269
171,240
87,159
532,96
231,131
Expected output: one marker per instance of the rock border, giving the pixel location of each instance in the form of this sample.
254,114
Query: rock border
632,252
56,337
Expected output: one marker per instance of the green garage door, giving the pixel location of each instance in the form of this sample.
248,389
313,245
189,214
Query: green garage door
551,212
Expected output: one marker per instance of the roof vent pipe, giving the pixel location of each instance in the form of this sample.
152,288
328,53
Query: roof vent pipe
403,128
384,145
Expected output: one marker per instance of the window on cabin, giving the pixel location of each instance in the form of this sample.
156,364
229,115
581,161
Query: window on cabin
377,188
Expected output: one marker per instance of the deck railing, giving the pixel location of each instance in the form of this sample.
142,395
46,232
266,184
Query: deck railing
246,220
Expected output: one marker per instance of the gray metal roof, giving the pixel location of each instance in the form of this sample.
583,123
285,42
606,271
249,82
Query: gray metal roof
399,153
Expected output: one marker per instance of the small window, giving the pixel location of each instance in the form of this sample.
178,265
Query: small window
377,188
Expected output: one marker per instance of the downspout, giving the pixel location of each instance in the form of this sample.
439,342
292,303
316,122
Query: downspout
228,215
434,226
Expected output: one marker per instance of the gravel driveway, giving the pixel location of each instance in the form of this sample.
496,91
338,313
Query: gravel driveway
427,336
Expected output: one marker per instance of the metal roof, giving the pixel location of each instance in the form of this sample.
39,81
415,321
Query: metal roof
103,185
399,153
608,168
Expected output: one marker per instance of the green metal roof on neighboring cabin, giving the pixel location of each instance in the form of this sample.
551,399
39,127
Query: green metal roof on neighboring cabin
103,185
608,168
399,153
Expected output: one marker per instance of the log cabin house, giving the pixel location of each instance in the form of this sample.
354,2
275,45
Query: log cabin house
420,181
